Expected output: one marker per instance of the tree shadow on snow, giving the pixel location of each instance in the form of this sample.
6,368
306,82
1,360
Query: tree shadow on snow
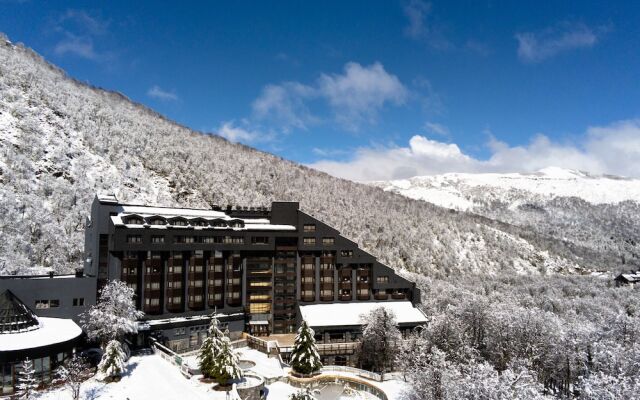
130,367
93,393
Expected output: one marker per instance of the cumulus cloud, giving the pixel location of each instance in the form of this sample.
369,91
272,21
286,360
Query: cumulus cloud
612,149
538,46
354,97
158,93
357,95
234,133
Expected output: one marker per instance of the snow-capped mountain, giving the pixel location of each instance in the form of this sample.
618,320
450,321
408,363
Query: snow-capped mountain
61,141
599,213
468,192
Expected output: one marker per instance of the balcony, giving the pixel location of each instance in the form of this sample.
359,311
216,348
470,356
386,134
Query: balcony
398,296
308,286
326,272
345,297
362,297
381,296
308,298
326,298
363,272
346,285
327,286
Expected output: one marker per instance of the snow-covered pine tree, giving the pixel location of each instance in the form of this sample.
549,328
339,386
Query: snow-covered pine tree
380,336
114,315
210,348
72,373
304,356
27,383
226,366
112,364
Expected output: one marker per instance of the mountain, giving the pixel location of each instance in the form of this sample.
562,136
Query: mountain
61,141
596,216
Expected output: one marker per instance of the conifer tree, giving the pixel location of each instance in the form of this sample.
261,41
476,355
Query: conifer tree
27,383
226,366
210,348
112,364
304,356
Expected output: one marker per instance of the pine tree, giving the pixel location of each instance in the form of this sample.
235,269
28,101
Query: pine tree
210,348
27,383
226,366
304,356
112,364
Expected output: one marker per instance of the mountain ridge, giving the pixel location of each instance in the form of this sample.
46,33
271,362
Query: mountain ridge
63,141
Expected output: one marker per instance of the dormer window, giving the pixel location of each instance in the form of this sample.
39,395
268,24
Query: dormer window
219,223
236,224
199,222
157,221
134,220
179,222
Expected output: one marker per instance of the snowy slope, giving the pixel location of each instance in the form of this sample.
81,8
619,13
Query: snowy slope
61,141
466,191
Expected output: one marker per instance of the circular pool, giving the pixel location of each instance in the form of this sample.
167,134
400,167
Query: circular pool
246,365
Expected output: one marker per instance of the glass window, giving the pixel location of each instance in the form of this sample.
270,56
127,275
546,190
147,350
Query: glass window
309,241
309,227
134,239
382,279
328,241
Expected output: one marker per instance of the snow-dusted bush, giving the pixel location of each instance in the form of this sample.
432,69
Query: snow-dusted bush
112,364
304,355
114,315
71,374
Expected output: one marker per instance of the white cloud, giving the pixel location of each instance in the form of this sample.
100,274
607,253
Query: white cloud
158,93
421,27
76,45
78,30
285,105
354,97
234,133
538,46
612,149
358,95
436,128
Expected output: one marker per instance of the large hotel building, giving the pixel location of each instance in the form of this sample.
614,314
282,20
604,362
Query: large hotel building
262,270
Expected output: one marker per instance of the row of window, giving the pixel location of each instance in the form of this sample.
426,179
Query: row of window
55,303
158,239
179,221
310,241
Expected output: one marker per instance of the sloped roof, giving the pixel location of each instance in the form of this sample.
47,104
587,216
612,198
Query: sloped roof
15,316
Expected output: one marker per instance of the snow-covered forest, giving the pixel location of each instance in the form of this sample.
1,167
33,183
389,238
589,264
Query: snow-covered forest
62,141
503,297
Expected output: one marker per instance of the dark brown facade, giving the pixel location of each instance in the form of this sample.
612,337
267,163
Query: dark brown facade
258,262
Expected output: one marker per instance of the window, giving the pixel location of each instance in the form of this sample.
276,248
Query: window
236,224
136,239
184,239
308,293
208,239
259,240
260,283
180,331
328,241
157,221
174,284
308,279
134,220
326,293
199,222
152,302
78,302
42,304
309,228
309,241
217,282
233,240
382,279
256,297
152,285
197,283
217,268
346,253
175,300
326,279
307,267
179,222
219,223
157,239
363,292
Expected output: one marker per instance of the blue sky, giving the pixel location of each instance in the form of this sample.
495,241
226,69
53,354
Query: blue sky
371,89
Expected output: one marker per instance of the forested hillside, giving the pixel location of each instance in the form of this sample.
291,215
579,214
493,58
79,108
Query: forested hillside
62,141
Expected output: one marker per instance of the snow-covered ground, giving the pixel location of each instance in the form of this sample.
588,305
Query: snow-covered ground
457,190
150,377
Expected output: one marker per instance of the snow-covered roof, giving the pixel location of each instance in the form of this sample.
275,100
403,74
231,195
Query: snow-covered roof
153,322
632,277
257,224
350,314
51,331
172,212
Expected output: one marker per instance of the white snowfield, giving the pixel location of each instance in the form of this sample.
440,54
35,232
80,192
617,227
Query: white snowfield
51,331
350,314
453,190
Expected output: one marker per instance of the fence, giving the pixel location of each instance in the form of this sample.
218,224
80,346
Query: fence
356,371
171,357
